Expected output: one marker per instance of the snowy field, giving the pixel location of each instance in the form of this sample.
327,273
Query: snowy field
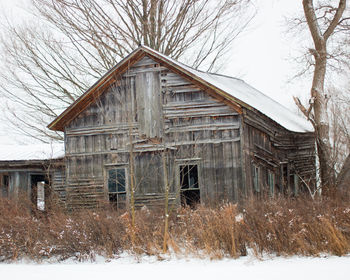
246,268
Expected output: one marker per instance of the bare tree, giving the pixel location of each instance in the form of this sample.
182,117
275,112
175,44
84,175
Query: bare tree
48,66
339,108
323,21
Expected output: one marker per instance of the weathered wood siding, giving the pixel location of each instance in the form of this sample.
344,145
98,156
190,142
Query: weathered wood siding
19,181
58,184
20,175
160,109
273,148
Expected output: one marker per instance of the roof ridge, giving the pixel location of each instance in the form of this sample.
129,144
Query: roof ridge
226,76
195,69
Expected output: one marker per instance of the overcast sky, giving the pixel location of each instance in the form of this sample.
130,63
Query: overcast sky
262,56
264,53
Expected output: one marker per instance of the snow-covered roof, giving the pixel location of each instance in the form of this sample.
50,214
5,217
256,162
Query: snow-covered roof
261,102
31,152
239,89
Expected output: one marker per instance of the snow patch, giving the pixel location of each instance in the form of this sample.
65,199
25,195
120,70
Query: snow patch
31,152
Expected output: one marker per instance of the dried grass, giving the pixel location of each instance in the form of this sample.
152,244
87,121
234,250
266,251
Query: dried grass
281,226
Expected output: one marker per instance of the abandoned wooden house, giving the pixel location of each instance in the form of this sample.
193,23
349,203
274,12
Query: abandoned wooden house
221,138
29,171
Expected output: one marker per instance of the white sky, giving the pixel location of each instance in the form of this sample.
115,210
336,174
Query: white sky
261,56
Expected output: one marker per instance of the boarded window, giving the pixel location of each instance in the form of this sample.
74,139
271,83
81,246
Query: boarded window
117,187
190,193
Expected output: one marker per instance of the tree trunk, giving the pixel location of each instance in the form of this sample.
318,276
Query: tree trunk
327,172
318,97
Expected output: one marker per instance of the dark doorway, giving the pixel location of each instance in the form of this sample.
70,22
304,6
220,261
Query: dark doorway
190,193
34,180
4,185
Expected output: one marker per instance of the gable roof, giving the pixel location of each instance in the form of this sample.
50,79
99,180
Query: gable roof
233,90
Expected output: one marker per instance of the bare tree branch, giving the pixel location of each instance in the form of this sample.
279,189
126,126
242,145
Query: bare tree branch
323,22
47,67
336,19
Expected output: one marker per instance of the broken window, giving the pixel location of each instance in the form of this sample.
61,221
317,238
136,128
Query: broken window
117,187
189,186
4,185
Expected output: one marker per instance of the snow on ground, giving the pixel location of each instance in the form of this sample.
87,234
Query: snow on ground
246,268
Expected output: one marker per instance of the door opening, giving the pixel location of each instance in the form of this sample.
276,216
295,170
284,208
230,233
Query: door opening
40,191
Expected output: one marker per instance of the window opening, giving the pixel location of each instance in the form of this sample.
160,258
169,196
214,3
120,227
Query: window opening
190,193
271,182
117,187
256,183
284,177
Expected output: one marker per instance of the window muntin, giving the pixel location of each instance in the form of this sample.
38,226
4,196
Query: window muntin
117,186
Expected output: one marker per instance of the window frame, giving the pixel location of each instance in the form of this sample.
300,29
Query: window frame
180,166
191,161
120,204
